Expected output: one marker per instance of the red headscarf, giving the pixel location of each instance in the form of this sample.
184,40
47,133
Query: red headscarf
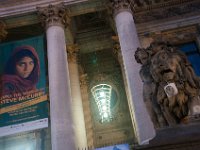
10,82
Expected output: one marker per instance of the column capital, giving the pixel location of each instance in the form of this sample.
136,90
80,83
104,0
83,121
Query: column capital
72,52
53,15
3,32
119,6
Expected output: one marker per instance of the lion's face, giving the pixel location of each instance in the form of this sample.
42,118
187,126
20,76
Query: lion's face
164,66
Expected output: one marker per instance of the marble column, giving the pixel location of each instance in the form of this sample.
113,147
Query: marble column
129,42
62,133
77,106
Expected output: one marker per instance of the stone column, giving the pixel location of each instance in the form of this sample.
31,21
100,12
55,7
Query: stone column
62,136
129,42
87,111
77,106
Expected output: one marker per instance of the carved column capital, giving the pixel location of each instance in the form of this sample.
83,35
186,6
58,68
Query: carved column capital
53,15
119,6
72,52
3,32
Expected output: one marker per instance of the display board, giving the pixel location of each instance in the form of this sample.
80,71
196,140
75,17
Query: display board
23,92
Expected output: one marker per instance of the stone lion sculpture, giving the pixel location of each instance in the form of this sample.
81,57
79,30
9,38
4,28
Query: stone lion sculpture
172,88
143,57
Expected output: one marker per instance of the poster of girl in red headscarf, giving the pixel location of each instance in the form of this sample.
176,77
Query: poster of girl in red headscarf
23,94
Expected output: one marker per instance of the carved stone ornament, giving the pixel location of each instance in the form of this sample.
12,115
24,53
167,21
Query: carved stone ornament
117,49
150,10
83,80
72,52
119,5
3,32
170,87
53,15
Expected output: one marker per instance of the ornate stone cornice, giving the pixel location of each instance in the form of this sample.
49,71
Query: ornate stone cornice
119,6
3,32
176,36
53,15
166,10
142,5
72,52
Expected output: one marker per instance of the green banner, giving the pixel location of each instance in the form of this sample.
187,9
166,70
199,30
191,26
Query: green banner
23,93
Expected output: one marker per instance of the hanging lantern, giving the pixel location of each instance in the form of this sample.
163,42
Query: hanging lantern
102,96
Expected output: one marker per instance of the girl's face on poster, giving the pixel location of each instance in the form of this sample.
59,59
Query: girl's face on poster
24,67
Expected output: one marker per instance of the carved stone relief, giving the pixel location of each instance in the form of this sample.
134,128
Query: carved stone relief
176,36
145,12
170,87
72,52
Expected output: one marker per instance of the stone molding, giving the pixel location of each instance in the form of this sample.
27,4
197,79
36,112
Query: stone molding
167,11
176,36
142,5
3,32
53,15
118,6
72,53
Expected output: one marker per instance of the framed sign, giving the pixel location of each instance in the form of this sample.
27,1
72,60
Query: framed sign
23,93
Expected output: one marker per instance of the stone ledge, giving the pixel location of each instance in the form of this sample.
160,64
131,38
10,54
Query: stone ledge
184,136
